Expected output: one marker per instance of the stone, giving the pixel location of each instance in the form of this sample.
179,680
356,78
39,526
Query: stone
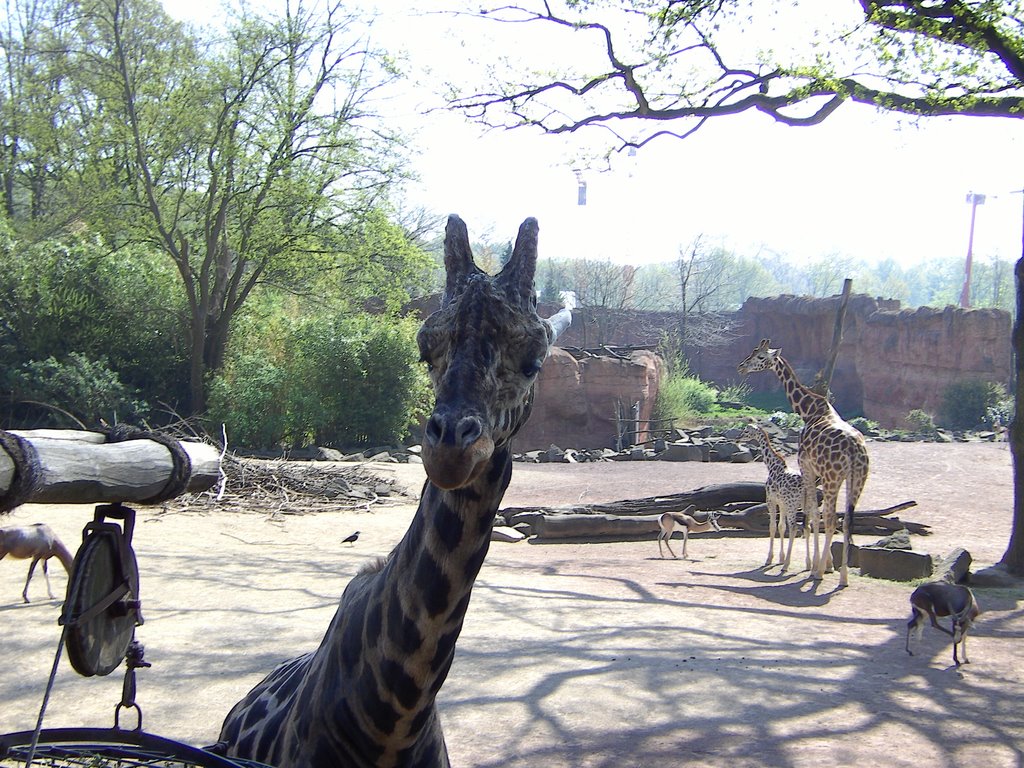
954,567
742,456
898,540
575,399
837,553
504,533
329,454
894,564
682,452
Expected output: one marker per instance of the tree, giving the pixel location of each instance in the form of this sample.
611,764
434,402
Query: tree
242,161
670,66
703,276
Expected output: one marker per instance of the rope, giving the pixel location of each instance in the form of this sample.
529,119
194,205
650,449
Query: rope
46,699
181,464
27,471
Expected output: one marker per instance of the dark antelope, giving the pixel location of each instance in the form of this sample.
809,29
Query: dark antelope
939,600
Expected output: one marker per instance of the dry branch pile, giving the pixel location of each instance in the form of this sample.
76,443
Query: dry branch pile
289,488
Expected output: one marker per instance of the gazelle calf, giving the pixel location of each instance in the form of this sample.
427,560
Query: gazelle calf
671,522
939,599
39,542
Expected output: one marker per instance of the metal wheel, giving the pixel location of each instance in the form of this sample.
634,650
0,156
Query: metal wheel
101,610
101,747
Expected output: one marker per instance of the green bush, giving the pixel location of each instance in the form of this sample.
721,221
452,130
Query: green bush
86,389
786,419
971,404
684,397
249,399
329,381
922,422
863,425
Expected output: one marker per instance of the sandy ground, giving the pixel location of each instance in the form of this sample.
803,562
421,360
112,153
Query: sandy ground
573,655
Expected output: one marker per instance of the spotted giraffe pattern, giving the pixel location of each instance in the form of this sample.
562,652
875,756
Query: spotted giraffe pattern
831,452
783,492
366,696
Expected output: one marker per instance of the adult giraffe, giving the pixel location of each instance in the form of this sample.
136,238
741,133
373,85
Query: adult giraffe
366,696
830,451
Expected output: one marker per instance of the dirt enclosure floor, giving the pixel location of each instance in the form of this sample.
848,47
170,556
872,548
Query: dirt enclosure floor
597,656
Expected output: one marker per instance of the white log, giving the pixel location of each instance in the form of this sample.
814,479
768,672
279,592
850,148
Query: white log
77,470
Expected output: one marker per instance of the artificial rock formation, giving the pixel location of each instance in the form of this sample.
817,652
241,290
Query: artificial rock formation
576,398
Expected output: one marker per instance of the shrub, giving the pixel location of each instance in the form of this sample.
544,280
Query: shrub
249,398
736,392
864,426
786,419
971,404
333,382
684,397
922,422
87,389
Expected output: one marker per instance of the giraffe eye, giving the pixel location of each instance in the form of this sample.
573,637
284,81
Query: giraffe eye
532,367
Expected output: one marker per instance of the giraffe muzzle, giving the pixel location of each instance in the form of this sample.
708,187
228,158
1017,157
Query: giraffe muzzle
455,450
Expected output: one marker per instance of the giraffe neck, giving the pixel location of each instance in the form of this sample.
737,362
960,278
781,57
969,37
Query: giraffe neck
393,638
772,458
808,405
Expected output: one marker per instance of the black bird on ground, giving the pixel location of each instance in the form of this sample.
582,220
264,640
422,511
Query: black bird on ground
350,539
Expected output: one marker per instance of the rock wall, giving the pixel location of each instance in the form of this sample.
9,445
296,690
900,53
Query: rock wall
891,361
575,400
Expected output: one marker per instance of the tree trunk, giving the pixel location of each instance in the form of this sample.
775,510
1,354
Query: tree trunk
1013,560
824,380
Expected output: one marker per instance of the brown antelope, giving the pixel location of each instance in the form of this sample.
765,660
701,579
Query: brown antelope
941,599
39,542
683,521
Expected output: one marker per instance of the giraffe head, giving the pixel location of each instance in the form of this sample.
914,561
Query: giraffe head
484,348
761,359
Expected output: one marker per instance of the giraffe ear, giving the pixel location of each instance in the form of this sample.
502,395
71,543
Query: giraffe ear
517,276
458,258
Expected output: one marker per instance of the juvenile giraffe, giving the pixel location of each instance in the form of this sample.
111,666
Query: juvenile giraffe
783,492
830,451
366,696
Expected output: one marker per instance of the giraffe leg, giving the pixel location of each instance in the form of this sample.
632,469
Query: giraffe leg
811,504
828,515
773,517
791,527
844,577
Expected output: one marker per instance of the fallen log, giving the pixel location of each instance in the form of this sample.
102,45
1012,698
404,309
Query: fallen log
706,497
755,518
67,467
741,504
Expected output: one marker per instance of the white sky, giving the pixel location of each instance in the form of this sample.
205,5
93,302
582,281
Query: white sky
862,183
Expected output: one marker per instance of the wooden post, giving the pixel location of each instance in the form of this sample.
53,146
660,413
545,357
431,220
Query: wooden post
82,468
824,378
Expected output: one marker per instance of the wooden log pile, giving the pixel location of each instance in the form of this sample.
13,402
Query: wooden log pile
741,505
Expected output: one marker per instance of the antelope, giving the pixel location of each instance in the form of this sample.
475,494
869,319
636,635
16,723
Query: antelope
941,599
36,541
670,522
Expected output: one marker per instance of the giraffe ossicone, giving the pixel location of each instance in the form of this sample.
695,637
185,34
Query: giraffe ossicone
366,696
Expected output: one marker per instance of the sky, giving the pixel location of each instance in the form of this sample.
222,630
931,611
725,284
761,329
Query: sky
863,184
